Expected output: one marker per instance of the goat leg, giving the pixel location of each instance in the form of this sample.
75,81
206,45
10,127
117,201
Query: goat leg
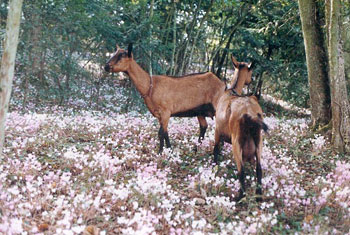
203,125
258,186
161,139
167,141
217,146
241,175
202,131
258,191
216,152
164,120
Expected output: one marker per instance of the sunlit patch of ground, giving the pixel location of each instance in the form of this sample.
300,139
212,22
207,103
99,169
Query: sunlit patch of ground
63,172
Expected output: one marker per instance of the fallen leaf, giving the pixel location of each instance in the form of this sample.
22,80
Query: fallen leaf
308,218
199,201
203,193
91,230
43,227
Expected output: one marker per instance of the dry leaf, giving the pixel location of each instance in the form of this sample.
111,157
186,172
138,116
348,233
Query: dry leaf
43,227
91,230
199,201
203,193
193,194
308,218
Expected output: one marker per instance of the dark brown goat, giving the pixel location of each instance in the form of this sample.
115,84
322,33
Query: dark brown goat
239,121
188,96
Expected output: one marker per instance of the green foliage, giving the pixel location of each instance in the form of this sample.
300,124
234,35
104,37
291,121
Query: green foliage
61,38
272,36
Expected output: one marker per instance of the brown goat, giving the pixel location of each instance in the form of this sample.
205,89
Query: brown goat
239,121
188,96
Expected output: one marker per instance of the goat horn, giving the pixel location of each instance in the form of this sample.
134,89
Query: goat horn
129,50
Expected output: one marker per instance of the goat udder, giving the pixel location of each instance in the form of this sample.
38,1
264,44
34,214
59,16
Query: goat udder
249,150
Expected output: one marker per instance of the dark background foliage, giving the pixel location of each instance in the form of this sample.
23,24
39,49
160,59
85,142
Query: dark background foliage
64,45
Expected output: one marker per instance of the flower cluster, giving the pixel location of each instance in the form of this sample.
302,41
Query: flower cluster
68,173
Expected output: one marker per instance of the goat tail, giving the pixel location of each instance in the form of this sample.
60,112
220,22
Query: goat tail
265,127
253,125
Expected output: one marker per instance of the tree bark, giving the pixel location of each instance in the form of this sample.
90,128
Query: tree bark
197,35
316,63
346,36
245,10
8,62
189,37
340,103
172,65
150,38
224,54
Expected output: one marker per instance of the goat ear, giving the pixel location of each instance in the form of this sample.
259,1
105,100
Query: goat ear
130,50
234,61
251,65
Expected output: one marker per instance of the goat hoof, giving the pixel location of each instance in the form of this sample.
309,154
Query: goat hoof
258,193
216,160
259,198
239,198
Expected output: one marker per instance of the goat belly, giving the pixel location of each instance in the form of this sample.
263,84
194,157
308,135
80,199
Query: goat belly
206,110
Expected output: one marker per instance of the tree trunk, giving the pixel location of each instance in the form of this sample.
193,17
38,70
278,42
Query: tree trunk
340,103
189,37
245,10
346,36
172,65
197,35
316,63
8,62
234,28
150,38
224,54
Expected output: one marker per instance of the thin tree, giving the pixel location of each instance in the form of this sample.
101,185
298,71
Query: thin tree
172,65
189,37
328,91
339,97
150,37
8,62
316,61
201,24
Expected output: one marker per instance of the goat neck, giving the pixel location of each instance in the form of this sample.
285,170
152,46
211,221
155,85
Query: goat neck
238,88
239,84
140,78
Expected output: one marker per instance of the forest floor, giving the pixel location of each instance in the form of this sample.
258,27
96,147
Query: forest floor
68,172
